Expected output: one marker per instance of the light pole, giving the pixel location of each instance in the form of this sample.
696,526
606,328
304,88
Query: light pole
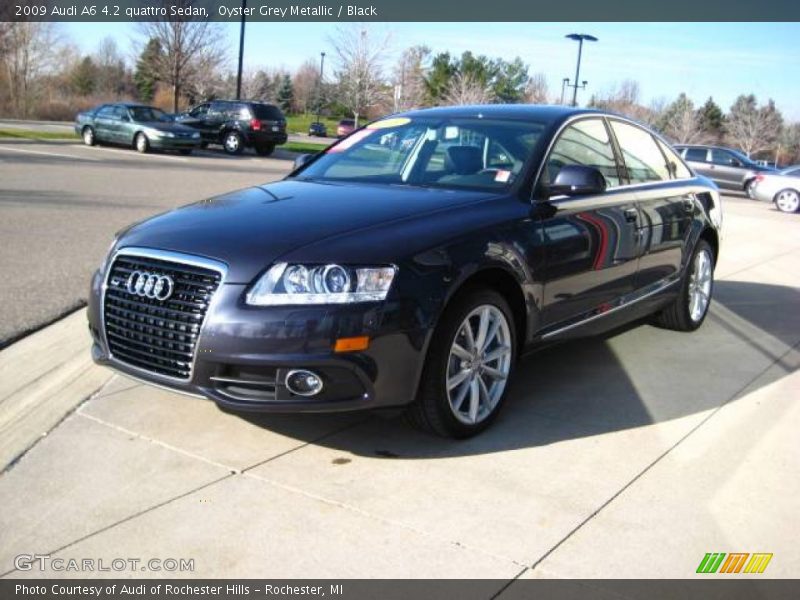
564,84
319,84
241,53
580,38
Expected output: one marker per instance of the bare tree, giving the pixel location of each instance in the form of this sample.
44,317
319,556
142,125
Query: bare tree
360,54
30,48
681,122
466,89
536,91
190,50
753,128
304,83
409,78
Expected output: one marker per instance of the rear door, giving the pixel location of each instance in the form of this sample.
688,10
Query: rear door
591,242
196,119
104,123
667,209
698,159
218,115
728,170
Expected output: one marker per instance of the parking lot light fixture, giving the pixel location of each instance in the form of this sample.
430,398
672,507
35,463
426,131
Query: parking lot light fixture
319,84
580,38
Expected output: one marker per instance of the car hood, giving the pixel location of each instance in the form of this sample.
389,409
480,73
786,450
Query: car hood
252,228
166,126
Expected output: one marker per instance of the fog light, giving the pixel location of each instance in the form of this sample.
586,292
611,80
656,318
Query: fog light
303,383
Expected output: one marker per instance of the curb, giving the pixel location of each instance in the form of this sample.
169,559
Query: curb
44,377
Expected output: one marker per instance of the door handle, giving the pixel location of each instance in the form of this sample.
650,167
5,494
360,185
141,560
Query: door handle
631,215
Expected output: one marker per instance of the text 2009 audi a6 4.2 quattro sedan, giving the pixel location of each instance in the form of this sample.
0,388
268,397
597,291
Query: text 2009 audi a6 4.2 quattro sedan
411,264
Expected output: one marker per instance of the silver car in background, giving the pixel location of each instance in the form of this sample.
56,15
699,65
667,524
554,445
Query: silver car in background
781,187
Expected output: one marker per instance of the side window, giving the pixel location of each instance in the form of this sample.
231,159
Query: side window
721,157
106,112
696,154
586,142
674,163
216,110
120,112
643,159
199,112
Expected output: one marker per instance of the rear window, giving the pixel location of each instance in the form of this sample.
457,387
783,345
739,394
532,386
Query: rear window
267,112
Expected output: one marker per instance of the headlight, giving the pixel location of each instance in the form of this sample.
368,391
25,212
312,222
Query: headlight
285,284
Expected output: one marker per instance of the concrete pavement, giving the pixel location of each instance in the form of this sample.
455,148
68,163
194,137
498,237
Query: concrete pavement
627,456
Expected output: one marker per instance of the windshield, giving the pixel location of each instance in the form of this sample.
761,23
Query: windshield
148,113
450,153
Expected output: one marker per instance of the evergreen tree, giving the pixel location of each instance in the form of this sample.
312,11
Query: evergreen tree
286,93
711,119
145,77
84,77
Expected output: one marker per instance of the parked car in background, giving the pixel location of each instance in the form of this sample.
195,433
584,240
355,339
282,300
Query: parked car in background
414,273
728,168
781,187
237,125
317,129
345,127
135,125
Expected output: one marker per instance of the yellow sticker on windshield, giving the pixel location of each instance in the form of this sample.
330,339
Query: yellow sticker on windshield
386,123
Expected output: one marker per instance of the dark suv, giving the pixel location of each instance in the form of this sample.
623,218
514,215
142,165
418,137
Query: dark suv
238,124
729,169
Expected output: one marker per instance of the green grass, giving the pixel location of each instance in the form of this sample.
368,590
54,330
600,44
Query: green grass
300,123
305,147
31,134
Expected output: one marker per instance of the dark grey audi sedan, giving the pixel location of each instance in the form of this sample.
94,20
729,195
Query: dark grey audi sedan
411,264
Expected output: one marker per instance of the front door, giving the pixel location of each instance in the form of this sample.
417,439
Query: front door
591,242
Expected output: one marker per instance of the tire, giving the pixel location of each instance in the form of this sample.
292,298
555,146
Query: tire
233,143
185,151
88,136
748,189
264,149
683,314
455,413
788,201
141,143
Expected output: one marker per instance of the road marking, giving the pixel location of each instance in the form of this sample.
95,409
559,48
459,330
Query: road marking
72,156
133,154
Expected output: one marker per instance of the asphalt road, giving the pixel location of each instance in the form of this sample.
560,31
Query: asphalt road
61,203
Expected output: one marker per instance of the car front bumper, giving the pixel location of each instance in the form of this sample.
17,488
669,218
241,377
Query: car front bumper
164,143
240,343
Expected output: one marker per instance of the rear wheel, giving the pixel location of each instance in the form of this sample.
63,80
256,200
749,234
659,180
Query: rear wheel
689,309
788,201
469,364
88,136
265,149
141,143
233,142
749,189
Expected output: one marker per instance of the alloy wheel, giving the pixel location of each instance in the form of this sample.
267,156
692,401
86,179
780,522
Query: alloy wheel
88,136
700,285
479,364
788,201
232,142
141,142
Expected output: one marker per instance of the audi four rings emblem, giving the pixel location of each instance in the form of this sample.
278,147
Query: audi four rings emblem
150,285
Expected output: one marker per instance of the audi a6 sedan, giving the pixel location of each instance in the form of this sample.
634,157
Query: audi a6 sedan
411,264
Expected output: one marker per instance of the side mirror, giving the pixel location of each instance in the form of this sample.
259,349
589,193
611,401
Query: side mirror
301,160
577,180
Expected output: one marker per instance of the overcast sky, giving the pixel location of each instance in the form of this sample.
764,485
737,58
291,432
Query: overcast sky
702,59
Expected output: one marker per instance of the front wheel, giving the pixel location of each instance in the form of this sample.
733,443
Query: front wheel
142,143
468,367
88,136
689,309
788,201
233,143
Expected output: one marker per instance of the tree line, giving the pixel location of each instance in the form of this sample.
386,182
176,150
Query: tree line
178,63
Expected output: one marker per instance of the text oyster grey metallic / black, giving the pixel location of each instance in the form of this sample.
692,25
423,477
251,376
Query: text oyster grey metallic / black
351,285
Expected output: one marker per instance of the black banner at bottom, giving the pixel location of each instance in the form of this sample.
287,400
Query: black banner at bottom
388,589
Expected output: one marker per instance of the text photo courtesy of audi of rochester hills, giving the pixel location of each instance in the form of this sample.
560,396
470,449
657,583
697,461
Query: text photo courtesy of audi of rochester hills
419,300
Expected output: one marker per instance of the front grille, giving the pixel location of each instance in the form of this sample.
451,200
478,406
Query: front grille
157,336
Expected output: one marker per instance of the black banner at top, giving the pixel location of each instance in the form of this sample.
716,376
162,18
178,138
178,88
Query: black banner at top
397,10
